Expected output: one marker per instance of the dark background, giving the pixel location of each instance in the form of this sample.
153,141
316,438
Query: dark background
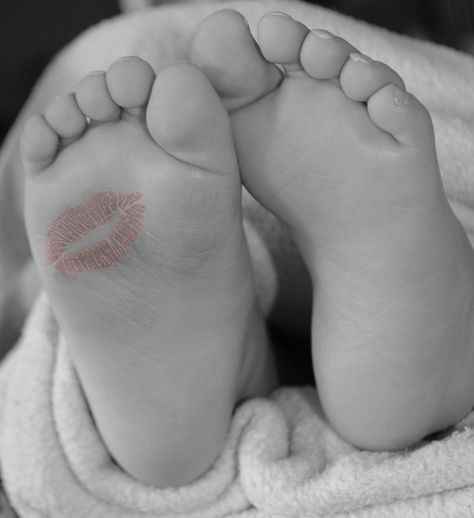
32,31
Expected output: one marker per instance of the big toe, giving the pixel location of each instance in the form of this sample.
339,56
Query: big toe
226,52
188,120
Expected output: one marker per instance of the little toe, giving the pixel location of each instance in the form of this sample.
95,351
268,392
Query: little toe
280,38
39,144
188,120
361,77
129,81
94,99
224,49
323,54
401,114
65,117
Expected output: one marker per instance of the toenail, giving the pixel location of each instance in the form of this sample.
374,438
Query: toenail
279,13
60,96
400,98
322,34
359,58
127,58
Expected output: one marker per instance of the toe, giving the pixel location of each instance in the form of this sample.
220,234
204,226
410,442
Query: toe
39,144
65,117
224,49
280,38
361,77
323,55
188,120
402,115
129,81
94,99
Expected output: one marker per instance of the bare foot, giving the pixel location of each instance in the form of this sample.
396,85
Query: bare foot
135,223
340,152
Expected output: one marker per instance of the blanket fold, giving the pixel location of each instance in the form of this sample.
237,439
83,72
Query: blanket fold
281,458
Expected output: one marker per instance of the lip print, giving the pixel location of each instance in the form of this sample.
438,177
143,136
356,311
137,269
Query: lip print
77,222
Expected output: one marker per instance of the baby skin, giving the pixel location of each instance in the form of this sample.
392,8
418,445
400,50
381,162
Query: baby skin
133,210
132,204
346,158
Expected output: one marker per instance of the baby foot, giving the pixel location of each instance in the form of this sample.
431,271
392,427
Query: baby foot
340,152
134,216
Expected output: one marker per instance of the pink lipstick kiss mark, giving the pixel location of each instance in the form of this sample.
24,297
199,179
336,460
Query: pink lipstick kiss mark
76,223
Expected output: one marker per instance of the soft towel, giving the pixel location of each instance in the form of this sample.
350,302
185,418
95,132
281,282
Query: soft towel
281,458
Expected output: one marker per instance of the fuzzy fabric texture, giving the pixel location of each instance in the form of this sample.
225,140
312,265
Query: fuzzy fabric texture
281,458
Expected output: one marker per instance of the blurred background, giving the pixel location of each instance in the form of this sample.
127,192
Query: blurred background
32,31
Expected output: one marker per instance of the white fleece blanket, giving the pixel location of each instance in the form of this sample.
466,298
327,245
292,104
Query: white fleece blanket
281,458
